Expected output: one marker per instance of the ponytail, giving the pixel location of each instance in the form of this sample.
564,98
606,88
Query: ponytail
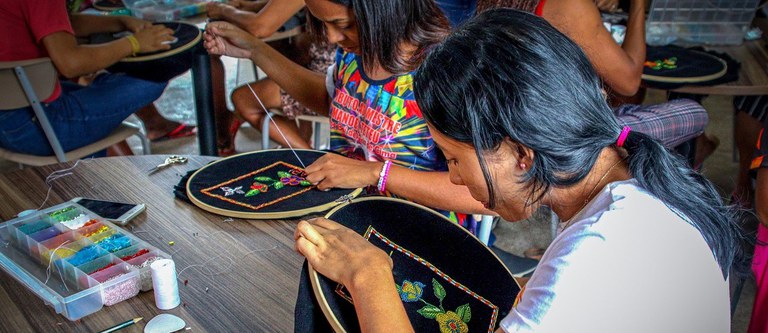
689,194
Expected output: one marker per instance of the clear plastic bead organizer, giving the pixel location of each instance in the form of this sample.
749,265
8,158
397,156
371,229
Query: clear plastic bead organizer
74,260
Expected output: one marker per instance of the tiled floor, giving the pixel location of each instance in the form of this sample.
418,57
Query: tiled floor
177,104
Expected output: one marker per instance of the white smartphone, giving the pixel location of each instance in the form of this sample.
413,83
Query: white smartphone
117,212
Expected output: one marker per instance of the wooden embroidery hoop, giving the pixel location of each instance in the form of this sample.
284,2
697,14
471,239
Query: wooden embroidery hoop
691,79
193,196
315,278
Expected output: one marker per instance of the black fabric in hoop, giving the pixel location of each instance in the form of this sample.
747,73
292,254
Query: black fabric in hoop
222,186
695,67
163,65
426,249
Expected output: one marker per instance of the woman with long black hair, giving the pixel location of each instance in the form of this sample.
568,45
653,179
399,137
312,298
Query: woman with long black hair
646,244
376,124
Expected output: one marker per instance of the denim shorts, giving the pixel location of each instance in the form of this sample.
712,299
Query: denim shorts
80,116
457,11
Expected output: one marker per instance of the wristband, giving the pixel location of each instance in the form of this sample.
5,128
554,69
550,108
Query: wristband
135,47
382,185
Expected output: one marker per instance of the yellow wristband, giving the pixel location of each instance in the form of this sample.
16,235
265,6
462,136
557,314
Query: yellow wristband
135,47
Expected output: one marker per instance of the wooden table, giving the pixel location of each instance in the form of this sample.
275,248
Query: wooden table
255,291
753,74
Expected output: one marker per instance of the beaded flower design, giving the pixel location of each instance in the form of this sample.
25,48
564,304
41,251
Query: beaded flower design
263,183
669,63
449,321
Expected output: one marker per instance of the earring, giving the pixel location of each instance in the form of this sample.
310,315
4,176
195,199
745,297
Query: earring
522,166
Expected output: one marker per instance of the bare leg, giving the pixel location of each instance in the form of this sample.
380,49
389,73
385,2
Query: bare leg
745,133
157,126
705,146
120,149
248,108
225,133
305,130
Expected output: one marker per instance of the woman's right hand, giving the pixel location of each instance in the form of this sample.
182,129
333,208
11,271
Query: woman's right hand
152,39
339,253
224,38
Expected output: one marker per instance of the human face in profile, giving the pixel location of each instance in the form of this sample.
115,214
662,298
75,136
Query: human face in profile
339,21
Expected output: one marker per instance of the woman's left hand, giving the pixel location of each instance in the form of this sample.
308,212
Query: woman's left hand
336,171
340,254
133,24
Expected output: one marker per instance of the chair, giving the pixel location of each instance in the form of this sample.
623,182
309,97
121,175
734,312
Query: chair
317,122
23,82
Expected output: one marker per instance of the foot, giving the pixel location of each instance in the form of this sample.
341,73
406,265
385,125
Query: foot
705,146
180,131
226,145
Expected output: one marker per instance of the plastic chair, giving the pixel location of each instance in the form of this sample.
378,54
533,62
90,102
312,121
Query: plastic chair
518,266
23,82
317,122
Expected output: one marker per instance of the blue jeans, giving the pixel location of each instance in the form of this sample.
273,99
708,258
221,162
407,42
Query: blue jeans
457,11
80,116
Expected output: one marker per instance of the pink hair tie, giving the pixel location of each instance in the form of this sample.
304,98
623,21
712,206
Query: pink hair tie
623,136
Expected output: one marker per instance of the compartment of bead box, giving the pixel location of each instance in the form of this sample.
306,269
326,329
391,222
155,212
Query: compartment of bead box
74,260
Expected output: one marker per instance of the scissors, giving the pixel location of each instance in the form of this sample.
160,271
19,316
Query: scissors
173,159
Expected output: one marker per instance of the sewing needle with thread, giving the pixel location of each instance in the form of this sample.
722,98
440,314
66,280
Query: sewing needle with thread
269,115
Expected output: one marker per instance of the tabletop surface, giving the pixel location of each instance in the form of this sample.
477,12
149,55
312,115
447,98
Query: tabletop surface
753,74
236,275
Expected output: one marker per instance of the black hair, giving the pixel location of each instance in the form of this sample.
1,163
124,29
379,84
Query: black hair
386,26
507,74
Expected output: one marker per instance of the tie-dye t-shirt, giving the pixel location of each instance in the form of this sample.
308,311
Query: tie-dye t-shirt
378,120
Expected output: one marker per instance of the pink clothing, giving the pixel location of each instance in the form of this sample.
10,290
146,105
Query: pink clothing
24,24
759,321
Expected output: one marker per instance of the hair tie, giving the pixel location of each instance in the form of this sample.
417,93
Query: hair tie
623,136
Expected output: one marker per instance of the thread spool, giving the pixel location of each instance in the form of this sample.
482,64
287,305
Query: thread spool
164,283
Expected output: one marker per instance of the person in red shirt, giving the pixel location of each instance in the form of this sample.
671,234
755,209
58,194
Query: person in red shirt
79,115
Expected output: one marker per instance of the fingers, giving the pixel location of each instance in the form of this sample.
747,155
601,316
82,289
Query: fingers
307,249
325,223
310,233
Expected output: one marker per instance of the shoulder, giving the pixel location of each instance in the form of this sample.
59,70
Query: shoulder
572,16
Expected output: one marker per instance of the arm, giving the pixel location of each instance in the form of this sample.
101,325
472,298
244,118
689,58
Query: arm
346,257
262,24
86,25
304,85
619,66
432,189
761,196
73,60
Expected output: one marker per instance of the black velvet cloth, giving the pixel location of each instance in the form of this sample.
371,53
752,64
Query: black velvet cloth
406,231
690,63
229,169
166,67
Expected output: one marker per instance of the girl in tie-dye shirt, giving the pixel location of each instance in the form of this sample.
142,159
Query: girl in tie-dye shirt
368,95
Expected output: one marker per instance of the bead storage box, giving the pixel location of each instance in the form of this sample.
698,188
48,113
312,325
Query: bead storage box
74,260
165,10
695,22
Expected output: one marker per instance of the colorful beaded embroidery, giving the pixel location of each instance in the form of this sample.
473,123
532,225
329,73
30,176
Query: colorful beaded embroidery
294,177
411,291
669,63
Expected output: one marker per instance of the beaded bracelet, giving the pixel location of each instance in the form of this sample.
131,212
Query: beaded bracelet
382,185
135,47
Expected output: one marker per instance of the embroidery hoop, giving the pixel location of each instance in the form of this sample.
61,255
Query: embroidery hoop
682,54
264,157
160,65
318,282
